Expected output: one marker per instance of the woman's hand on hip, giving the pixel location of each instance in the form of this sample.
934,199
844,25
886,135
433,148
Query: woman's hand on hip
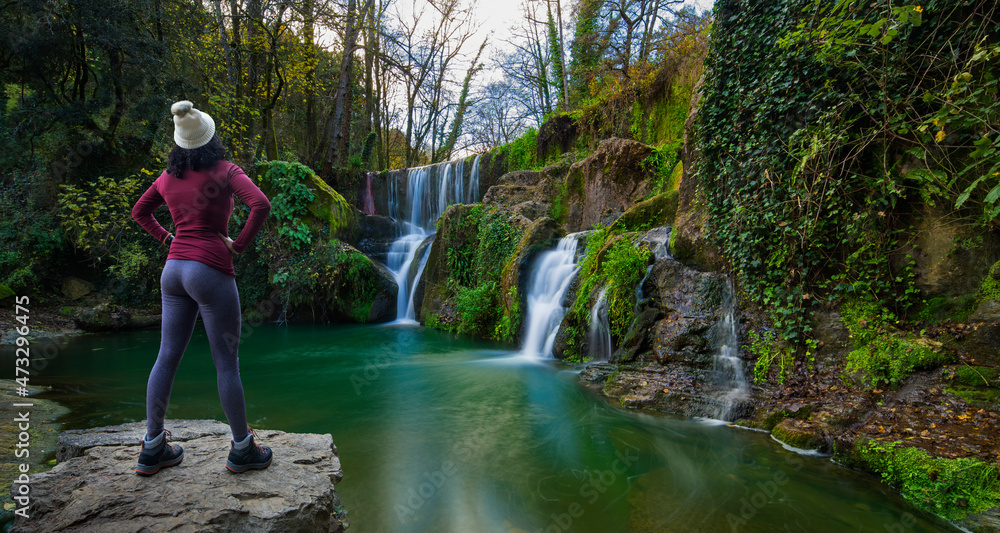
228,241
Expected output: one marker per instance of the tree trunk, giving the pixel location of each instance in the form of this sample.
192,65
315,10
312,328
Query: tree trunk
340,135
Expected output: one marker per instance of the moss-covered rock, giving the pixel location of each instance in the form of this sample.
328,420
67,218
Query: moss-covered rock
327,214
803,434
457,230
337,283
659,210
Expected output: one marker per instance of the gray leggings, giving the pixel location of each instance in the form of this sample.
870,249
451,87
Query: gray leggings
187,287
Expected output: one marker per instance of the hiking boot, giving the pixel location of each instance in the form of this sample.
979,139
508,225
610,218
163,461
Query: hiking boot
252,457
153,458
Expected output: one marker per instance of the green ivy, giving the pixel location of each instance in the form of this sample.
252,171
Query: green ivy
290,198
811,111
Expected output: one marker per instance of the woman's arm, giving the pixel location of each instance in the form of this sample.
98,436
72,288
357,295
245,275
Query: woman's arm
143,209
260,206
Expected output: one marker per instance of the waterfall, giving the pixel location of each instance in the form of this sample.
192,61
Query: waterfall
401,255
599,336
551,278
429,190
411,311
658,240
727,364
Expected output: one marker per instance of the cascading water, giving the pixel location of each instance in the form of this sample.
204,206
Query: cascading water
429,191
554,272
727,364
658,240
599,336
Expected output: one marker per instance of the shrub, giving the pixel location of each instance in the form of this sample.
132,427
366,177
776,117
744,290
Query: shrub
952,488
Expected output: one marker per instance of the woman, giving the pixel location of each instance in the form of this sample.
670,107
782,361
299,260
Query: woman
198,188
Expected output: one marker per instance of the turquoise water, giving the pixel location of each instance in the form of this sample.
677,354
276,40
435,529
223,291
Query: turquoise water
440,434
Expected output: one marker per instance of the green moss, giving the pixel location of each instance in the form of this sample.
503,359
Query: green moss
991,285
977,385
792,434
654,212
884,355
664,163
947,308
510,322
952,488
478,239
333,275
521,153
613,262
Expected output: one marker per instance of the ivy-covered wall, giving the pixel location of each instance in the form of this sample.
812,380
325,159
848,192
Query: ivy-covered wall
824,125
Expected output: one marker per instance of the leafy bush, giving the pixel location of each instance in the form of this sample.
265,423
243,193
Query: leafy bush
952,488
769,350
478,309
290,198
31,243
97,220
883,355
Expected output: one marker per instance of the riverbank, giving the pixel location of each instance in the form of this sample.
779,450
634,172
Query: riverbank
42,435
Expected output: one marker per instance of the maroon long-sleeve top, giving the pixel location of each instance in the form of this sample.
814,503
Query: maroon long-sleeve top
201,203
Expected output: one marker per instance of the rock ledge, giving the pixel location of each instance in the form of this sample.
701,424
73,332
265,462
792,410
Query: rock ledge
95,488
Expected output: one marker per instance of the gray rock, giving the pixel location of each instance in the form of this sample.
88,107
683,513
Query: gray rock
988,311
987,521
76,288
98,490
75,442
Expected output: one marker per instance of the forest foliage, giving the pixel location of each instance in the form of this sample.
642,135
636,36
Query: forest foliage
824,124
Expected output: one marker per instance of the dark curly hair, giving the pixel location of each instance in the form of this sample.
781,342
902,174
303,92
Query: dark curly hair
201,158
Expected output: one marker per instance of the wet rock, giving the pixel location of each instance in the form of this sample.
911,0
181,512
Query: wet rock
985,522
833,337
503,195
804,434
638,342
377,235
98,490
531,209
941,268
680,339
75,288
523,178
988,311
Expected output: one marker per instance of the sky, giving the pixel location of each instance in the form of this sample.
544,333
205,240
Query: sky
500,15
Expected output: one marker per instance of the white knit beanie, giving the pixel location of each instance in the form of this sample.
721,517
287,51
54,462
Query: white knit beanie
192,128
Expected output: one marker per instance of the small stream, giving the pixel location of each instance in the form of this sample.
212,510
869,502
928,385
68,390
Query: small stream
440,434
